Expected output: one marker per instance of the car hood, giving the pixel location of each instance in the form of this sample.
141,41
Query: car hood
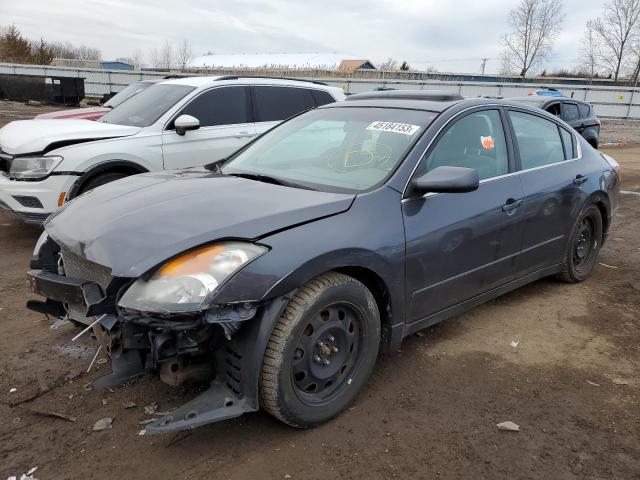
88,113
32,136
134,224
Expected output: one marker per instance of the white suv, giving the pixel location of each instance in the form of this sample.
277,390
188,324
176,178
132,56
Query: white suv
177,123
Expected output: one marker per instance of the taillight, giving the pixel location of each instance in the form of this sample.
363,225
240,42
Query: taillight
598,122
613,164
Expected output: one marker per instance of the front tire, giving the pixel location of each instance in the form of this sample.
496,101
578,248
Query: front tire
321,352
583,247
100,180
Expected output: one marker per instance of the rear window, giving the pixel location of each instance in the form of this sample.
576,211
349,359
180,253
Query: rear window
538,140
567,140
279,103
146,107
584,110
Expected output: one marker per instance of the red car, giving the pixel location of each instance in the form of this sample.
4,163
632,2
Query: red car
94,113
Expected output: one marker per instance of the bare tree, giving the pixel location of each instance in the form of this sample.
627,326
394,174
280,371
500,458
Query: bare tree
616,31
88,53
154,58
535,24
184,53
166,56
390,64
590,51
136,59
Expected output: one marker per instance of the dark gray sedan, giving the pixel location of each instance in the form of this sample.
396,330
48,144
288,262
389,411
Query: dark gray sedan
279,273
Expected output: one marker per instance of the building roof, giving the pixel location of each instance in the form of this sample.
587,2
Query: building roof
328,61
350,66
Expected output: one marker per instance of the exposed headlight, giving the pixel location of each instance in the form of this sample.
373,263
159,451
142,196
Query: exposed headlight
32,168
186,283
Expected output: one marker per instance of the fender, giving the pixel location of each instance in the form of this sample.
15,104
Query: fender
100,168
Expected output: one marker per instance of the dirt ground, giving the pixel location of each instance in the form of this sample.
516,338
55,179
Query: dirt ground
429,411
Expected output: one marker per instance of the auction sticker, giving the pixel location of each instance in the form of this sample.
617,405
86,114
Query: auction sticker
404,128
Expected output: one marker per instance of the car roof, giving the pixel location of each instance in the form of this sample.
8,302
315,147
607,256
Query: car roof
420,100
540,100
205,81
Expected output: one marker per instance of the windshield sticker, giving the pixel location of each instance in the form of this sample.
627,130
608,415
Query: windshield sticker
487,142
404,128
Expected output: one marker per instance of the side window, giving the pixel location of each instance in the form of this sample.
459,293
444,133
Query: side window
584,110
567,139
571,112
279,103
538,140
322,97
554,109
220,106
475,141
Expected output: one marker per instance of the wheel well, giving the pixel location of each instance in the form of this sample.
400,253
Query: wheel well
378,289
605,218
128,168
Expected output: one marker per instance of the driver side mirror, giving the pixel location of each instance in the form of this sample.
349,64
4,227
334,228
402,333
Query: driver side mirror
184,123
446,180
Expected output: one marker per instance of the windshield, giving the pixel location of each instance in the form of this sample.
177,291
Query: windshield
148,106
126,93
333,149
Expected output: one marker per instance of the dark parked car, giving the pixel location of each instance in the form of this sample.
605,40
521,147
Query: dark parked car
580,115
280,272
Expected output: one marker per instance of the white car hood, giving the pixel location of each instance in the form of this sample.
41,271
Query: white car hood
31,136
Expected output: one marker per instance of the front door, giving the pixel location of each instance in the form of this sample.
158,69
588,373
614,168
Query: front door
459,245
225,126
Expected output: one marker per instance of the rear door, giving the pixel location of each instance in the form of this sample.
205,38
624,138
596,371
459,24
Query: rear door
273,104
225,126
459,245
547,156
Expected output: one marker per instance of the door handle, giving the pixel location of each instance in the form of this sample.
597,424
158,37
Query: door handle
511,205
580,179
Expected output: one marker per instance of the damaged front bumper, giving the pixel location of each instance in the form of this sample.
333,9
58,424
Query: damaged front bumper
219,346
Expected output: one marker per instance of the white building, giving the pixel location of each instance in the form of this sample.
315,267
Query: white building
317,61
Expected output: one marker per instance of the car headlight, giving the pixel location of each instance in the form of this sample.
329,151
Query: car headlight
32,168
186,283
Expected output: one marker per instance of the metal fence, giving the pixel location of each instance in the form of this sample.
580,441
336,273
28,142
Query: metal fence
608,101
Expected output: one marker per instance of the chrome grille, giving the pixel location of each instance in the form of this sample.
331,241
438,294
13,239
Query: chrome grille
77,267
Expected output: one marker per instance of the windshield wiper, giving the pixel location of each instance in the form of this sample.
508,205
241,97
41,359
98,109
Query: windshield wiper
269,179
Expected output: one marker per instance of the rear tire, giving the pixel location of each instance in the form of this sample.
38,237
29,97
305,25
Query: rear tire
321,352
583,246
101,179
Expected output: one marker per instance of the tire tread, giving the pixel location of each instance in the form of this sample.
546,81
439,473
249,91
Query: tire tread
274,353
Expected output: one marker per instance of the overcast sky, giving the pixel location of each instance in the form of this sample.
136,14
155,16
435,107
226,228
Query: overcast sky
452,36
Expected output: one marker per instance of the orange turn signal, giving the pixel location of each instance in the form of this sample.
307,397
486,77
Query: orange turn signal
191,262
61,198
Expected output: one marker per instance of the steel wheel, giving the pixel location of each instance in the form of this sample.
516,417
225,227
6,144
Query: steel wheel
584,245
321,351
326,353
